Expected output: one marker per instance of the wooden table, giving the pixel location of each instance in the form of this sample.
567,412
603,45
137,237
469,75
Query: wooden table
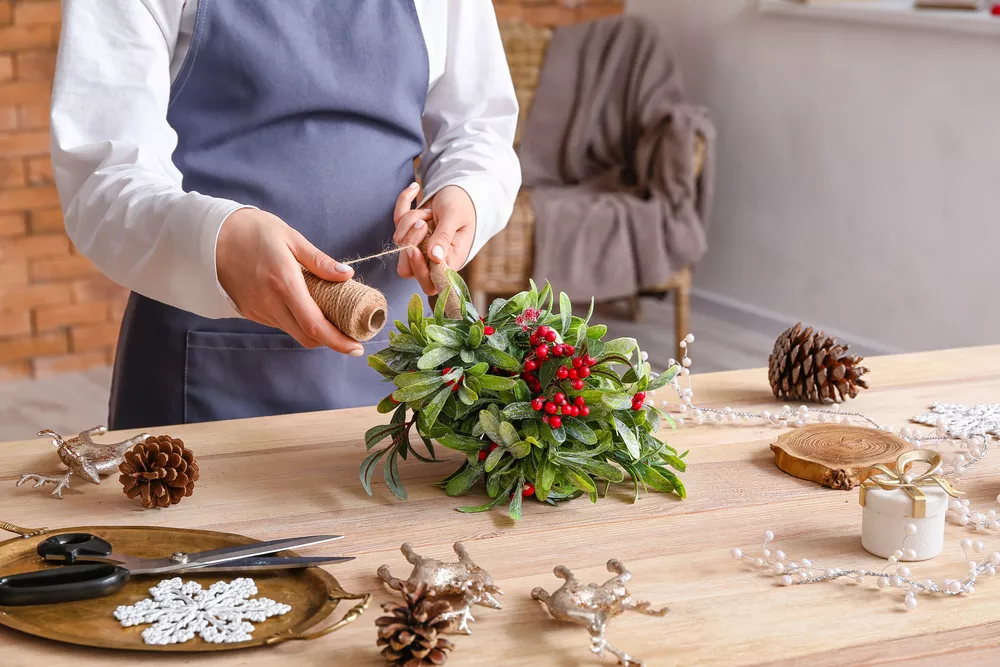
299,475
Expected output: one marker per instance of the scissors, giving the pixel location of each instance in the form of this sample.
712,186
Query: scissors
102,572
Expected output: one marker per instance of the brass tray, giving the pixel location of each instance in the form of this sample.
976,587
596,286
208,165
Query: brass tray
312,593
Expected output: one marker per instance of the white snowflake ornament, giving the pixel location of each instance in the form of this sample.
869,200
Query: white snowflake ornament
179,610
960,420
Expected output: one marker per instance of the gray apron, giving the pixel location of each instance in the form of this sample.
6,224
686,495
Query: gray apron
310,110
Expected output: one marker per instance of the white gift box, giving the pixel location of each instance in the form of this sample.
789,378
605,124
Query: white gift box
886,514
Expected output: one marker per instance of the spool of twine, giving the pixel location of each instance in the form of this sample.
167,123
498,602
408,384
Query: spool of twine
361,311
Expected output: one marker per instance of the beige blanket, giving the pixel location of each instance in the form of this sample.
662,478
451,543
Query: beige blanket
607,152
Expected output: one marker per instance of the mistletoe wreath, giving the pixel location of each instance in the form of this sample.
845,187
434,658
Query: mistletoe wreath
539,404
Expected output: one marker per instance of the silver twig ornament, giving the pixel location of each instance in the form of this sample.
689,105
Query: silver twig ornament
464,584
593,605
84,458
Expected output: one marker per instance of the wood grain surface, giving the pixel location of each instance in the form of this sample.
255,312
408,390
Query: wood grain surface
296,475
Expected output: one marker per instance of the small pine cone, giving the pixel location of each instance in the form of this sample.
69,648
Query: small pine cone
159,471
410,634
807,366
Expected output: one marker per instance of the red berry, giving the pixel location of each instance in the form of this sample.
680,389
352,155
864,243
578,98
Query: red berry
482,455
489,331
570,350
584,411
577,362
550,336
583,372
641,396
562,373
555,422
528,490
558,350
542,351
455,387
995,10
574,374
534,339
578,384
393,399
551,408
530,365
545,418
579,401
493,446
589,360
445,371
566,410
559,397
637,405
538,404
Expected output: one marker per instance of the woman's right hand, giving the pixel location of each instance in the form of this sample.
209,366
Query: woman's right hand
258,258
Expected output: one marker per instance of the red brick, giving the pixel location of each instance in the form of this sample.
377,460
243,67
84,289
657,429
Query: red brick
93,336
13,273
21,297
39,171
21,37
47,220
12,172
6,67
33,247
61,269
37,12
65,363
14,323
35,65
6,12
47,319
96,289
8,119
13,224
28,347
18,370
34,117
24,143
26,199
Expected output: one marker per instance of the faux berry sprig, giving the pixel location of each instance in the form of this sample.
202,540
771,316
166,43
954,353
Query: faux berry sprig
534,397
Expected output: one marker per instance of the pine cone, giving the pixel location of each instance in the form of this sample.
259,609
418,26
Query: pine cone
160,471
810,366
410,633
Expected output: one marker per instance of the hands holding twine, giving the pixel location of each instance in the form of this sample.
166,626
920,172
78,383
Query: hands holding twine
276,277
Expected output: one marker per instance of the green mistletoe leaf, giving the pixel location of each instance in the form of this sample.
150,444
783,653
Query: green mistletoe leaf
379,364
544,478
478,370
464,480
596,333
495,308
442,302
377,434
368,468
628,437
663,378
514,509
415,311
444,336
548,371
461,443
508,435
590,313
418,389
433,409
622,346
493,460
565,312
617,401
497,358
577,430
496,383
405,343
466,395
436,357
516,411
406,379
499,500
386,405
521,449
392,479
476,332
491,426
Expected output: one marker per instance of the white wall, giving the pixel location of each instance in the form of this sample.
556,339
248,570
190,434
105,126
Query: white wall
858,170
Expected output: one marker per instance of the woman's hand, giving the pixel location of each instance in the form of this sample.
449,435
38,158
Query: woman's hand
258,258
450,221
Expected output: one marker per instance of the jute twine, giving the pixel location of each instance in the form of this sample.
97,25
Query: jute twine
361,311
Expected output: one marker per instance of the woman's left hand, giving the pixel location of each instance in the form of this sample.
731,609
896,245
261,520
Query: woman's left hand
450,219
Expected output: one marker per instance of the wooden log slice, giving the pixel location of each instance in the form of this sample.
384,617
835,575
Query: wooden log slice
836,456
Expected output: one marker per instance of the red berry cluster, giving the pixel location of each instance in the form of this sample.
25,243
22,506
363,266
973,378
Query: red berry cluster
450,383
638,400
483,453
487,330
558,406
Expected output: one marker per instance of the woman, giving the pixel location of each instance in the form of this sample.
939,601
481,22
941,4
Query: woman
205,149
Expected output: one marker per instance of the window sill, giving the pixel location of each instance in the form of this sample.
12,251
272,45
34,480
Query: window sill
888,12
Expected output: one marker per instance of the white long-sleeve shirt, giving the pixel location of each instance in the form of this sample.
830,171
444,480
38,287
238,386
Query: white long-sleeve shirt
121,194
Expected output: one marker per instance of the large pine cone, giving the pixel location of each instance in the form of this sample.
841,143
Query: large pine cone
410,633
160,471
807,366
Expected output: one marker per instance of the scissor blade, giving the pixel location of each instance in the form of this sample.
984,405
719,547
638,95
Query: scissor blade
270,563
205,558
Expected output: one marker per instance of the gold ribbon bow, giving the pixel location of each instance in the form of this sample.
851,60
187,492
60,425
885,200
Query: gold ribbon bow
900,478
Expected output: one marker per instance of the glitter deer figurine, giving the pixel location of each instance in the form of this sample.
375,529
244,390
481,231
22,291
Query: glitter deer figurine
593,605
85,458
464,583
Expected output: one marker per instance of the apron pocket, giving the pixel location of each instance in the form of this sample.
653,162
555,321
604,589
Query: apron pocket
241,375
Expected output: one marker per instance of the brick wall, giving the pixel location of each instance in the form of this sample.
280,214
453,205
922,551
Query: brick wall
57,313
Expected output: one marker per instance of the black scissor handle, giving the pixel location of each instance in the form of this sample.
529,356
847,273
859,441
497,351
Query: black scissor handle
68,547
62,584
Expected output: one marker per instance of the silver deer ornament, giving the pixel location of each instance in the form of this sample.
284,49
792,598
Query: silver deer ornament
85,458
464,584
593,605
